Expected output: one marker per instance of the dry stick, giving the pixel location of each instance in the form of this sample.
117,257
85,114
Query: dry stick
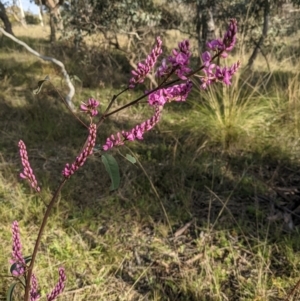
38,240
50,59
294,290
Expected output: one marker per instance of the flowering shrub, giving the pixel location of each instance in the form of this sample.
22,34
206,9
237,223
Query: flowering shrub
174,73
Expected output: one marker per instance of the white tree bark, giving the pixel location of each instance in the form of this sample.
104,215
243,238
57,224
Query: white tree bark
23,20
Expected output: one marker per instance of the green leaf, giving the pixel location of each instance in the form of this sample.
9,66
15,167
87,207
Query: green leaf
27,259
112,168
9,295
131,159
13,266
75,78
40,85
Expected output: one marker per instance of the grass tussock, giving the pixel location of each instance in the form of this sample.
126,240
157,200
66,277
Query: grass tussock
209,212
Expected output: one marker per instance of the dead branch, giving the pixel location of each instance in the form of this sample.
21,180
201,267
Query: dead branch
71,93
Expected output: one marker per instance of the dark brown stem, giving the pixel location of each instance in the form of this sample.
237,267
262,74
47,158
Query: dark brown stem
293,291
162,85
38,240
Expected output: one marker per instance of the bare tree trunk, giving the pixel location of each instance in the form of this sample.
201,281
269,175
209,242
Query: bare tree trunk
205,27
5,20
198,29
52,27
263,36
55,18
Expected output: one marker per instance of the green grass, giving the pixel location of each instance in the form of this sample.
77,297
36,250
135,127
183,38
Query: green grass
213,164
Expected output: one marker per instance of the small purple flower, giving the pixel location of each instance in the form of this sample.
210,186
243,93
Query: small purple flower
27,170
229,38
206,57
17,257
215,73
34,295
144,68
114,140
157,98
180,59
69,170
215,45
91,107
163,69
58,289
136,133
177,92
228,41
225,74
212,72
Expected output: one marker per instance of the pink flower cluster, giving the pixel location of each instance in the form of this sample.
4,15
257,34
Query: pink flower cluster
17,257
144,68
177,92
34,295
212,72
69,170
59,286
91,107
27,170
228,41
19,268
58,289
178,61
136,133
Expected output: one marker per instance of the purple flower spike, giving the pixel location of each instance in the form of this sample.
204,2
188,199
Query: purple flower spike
225,74
177,92
215,73
34,295
180,60
27,170
228,41
91,107
136,133
229,38
206,57
144,68
59,286
113,141
69,170
17,257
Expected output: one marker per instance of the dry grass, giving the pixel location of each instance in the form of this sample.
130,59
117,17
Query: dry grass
222,234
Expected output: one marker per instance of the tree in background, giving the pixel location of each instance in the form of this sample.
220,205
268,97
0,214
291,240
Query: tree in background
53,7
5,19
261,21
83,17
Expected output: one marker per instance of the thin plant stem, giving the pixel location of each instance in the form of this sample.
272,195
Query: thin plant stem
154,190
162,85
38,240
